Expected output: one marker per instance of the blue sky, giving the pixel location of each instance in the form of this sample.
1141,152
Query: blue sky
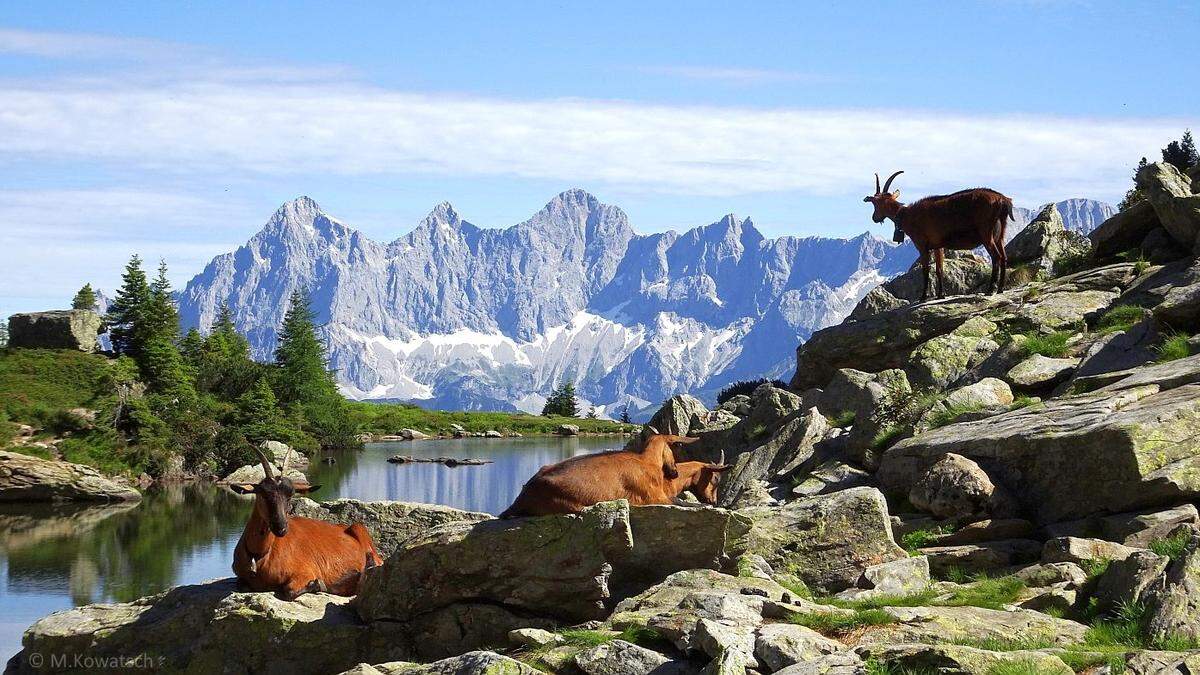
175,130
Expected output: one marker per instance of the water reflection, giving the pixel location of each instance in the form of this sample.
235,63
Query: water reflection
55,556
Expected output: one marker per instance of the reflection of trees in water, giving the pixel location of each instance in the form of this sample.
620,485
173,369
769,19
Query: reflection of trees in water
107,552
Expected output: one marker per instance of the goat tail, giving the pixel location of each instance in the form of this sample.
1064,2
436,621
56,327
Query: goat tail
1004,213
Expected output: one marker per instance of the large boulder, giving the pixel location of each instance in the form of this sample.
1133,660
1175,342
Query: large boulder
942,658
955,487
390,523
864,396
971,624
1125,581
828,540
471,663
209,628
623,658
254,473
56,329
669,539
675,415
1124,230
463,585
1179,306
1121,351
1040,374
944,359
1132,444
789,447
1044,242
24,478
277,451
1169,191
779,645
963,273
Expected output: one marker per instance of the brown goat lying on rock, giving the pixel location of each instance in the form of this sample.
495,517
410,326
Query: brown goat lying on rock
649,476
293,556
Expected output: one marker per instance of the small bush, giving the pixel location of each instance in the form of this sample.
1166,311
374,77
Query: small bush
746,387
1053,345
1173,546
843,419
1120,318
1175,347
918,539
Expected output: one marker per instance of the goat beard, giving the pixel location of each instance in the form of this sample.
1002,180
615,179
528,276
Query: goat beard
898,236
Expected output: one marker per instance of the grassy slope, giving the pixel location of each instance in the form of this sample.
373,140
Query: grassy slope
35,381
389,418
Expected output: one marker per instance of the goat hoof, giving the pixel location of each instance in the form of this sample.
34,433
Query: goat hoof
316,586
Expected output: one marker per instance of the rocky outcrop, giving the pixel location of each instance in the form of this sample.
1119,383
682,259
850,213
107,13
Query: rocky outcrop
622,658
1173,601
1040,374
463,585
24,478
920,658
192,629
471,663
1044,242
390,523
1169,191
1125,230
675,415
55,329
1132,444
827,541
955,487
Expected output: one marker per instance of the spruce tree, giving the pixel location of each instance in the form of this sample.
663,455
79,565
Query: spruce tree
161,316
258,414
85,298
301,372
561,401
126,314
1182,153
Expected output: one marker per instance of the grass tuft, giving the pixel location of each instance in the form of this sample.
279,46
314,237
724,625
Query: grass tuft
1096,567
950,413
1023,402
836,624
1120,318
986,593
1173,348
1173,546
887,437
843,419
918,539
1053,345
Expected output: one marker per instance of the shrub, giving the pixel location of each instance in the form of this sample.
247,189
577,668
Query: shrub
746,387
1120,318
921,538
1053,345
843,419
1173,348
1023,401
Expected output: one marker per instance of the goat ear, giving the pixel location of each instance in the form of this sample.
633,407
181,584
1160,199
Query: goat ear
241,488
307,488
896,194
681,441
718,468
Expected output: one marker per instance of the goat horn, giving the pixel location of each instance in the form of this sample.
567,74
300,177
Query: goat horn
877,190
891,178
283,467
266,464
722,456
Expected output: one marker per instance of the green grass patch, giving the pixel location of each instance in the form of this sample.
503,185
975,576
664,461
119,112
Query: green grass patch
986,593
888,437
1096,567
1052,345
1173,546
1120,318
838,624
1173,348
919,599
1072,262
1023,402
877,667
950,413
843,419
1017,667
41,453
638,635
758,431
918,539
390,418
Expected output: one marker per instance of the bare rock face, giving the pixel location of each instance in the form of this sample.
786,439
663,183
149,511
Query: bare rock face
960,659
1173,602
464,664
1169,191
194,629
462,585
1124,231
390,523
1125,581
1133,444
31,479
955,487
55,329
675,416
1045,241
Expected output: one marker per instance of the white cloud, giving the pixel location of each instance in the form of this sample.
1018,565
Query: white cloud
79,45
736,76
276,128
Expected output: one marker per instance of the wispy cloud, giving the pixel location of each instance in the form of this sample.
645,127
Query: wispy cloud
232,127
80,45
736,76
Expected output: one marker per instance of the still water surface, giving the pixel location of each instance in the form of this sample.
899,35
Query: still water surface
55,557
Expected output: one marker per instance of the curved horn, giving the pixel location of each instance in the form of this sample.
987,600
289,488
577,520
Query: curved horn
266,463
722,456
877,190
891,178
283,467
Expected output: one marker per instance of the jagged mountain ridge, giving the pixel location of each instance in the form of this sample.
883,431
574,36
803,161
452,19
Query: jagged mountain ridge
465,317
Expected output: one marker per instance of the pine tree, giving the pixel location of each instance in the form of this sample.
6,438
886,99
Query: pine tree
301,372
591,413
258,414
127,312
161,316
625,419
1134,195
224,338
164,371
1182,153
85,298
561,401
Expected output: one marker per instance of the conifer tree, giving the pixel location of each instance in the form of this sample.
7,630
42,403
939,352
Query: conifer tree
625,419
161,316
126,314
561,401
85,298
1182,153
301,372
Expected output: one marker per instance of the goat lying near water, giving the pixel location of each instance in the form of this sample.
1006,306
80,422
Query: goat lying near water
648,476
292,556
959,221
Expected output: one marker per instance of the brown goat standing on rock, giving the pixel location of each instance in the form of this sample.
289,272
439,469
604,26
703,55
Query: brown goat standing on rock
293,556
648,476
960,221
